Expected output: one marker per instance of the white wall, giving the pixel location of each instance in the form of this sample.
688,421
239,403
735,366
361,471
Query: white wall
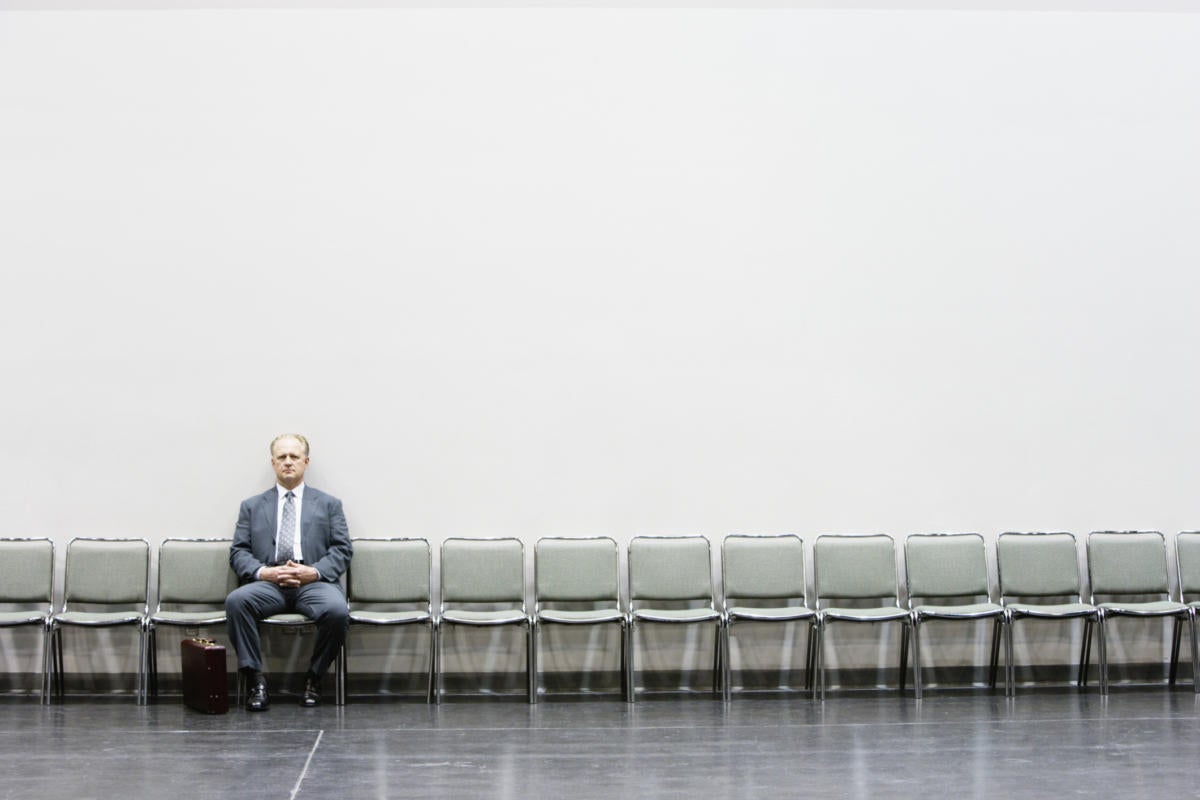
532,272
606,271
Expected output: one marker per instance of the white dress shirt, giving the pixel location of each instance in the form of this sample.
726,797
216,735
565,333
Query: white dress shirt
297,552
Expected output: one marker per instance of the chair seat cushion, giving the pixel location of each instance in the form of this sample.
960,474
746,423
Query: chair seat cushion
1052,610
1155,608
770,614
880,614
188,618
98,618
964,611
676,614
463,616
9,618
288,619
587,616
389,617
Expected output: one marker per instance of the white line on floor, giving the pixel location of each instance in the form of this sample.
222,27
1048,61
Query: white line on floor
307,761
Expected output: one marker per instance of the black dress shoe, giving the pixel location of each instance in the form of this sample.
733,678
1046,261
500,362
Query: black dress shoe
258,699
312,694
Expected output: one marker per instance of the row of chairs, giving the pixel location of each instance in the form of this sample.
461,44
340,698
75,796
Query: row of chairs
670,581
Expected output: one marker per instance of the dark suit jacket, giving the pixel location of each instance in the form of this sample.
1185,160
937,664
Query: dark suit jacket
324,535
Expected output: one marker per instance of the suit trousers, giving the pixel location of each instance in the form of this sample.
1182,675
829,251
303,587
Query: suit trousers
320,601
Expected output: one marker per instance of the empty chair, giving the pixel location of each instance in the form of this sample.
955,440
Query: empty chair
670,582
763,581
862,569
389,585
194,579
1129,566
111,577
1187,565
576,583
953,566
1040,567
483,585
27,593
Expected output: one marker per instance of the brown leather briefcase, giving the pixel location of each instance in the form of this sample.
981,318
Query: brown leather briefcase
204,683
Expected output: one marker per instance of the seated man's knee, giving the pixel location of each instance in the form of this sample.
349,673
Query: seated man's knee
234,602
336,614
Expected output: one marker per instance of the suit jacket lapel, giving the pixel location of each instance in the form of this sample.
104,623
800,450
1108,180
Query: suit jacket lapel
270,512
306,512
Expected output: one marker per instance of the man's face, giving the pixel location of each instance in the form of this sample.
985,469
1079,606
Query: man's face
289,462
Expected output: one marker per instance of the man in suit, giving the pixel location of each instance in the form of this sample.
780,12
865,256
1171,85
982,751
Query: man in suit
290,547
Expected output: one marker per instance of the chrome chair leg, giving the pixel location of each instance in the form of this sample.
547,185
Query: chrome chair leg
1102,654
534,663
1085,653
1176,635
916,656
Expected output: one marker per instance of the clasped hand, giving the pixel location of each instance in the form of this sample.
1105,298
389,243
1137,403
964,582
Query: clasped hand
289,575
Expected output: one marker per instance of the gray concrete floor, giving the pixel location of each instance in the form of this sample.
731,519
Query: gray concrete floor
1139,742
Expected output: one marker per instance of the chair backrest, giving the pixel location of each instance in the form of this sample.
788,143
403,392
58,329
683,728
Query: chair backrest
1187,562
195,571
1037,565
483,571
107,571
28,569
390,571
762,567
945,565
848,566
1127,562
672,568
581,570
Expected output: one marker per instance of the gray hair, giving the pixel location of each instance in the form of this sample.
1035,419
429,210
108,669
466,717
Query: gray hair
303,442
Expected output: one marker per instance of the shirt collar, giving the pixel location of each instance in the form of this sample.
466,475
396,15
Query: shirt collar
298,491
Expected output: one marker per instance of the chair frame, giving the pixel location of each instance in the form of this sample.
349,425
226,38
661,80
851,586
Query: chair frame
782,614
427,617
1185,590
705,613
891,613
57,621
450,615
925,612
1169,608
1078,609
42,619
291,619
155,619
549,615
294,619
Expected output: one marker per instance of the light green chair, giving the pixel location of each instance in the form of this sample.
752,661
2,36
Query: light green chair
388,585
670,583
111,578
1128,566
27,593
860,569
762,579
194,578
483,585
1039,567
953,566
576,582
